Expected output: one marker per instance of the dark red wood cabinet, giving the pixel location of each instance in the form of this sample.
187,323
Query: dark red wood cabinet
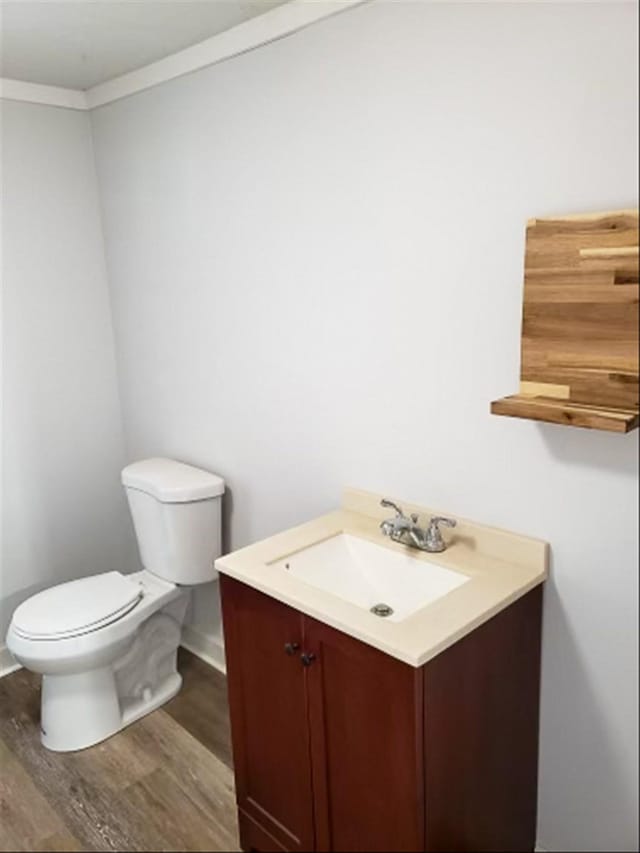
340,747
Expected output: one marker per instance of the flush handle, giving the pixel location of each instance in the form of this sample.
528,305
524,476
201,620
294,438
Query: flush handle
307,658
291,648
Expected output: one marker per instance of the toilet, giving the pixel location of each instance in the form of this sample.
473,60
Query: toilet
106,645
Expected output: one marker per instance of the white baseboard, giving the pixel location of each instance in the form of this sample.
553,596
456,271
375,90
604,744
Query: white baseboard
208,648
7,663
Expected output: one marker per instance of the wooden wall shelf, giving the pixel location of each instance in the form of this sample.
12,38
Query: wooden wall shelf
554,411
579,353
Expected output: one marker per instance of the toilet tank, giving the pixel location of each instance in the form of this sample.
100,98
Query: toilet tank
176,511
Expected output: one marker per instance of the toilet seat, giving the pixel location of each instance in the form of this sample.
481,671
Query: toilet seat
77,607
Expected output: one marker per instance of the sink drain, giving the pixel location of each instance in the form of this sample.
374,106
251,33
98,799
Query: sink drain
382,610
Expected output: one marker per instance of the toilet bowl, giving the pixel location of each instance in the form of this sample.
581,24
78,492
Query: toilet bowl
106,645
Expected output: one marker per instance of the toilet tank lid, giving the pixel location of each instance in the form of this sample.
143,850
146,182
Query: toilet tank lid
172,482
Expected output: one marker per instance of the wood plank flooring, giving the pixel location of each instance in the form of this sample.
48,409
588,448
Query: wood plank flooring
164,783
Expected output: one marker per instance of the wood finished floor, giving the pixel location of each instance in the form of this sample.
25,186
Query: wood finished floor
164,783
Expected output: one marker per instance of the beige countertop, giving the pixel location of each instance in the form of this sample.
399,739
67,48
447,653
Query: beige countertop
502,567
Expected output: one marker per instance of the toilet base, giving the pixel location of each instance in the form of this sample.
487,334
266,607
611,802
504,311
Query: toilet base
82,709
79,711
168,690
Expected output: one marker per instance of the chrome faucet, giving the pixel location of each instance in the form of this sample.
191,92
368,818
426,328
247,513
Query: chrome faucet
407,531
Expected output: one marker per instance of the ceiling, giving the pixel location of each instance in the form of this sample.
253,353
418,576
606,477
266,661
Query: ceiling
80,43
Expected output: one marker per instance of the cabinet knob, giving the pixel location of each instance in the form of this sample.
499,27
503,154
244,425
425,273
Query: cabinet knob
307,658
291,648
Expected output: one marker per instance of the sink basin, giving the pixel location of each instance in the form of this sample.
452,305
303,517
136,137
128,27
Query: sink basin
371,576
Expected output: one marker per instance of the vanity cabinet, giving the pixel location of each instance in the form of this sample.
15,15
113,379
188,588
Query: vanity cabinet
339,746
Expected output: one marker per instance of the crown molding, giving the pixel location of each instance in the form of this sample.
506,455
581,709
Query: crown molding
36,93
263,29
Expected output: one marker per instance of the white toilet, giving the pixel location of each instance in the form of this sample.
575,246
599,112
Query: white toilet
106,645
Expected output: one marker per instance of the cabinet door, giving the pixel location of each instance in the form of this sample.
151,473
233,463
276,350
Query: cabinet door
268,719
365,712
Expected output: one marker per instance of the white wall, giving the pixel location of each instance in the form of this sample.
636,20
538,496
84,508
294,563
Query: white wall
64,515
315,256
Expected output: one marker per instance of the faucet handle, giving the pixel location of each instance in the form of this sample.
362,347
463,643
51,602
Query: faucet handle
433,537
442,519
387,503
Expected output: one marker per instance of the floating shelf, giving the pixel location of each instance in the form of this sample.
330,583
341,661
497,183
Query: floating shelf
579,354
554,411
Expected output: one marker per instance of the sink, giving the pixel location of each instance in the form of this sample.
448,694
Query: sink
371,576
